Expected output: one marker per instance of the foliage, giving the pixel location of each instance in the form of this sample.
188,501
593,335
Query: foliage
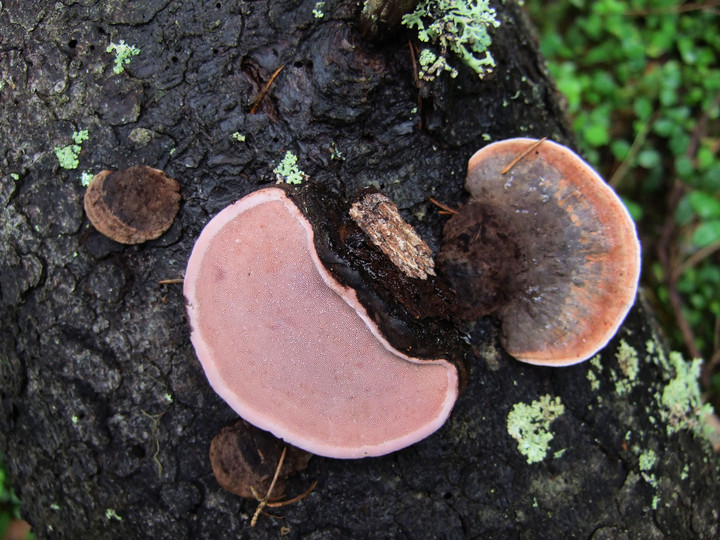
9,503
642,82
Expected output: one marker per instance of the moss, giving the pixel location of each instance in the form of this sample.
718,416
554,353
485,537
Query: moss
123,54
529,425
457,26
287,170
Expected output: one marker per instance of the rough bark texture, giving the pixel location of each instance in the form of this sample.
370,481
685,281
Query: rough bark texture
106,416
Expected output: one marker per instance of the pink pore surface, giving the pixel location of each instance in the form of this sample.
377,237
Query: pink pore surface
291,355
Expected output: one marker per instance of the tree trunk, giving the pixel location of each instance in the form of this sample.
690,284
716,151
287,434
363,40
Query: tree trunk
107,417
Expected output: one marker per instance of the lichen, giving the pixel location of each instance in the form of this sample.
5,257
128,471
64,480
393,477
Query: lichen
318,10
123,54
67,156
529,425
432,65
627,358
238,137
85,178
110,513
681,402
646,462
287,170
457,26
592,375
680,399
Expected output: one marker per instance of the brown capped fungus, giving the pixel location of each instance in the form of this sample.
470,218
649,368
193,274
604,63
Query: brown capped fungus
546,246
132,205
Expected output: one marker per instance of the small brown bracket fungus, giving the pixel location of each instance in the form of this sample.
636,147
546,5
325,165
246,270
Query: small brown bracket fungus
291,349
244,458
547,246
133,205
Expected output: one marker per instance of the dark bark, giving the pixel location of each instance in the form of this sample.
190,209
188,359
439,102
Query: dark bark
106,416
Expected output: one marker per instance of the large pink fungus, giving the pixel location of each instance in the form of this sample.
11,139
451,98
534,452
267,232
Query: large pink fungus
291,350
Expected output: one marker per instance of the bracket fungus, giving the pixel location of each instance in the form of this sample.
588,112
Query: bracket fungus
290,346
244,458
133,205
546,246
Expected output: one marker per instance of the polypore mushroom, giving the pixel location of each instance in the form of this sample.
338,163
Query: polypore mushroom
245,458
291,349
546,246
133,205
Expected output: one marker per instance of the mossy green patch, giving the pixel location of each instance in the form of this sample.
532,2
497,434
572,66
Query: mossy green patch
529,425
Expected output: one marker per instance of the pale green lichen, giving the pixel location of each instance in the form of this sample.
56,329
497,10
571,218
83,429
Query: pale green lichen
110,513
287,170
458,26
67,156
627,358
529,425
123,54
646,462
237,136
318,10
431,65
594,380
681,401
85,178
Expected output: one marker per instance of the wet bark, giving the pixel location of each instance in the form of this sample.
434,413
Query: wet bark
106,416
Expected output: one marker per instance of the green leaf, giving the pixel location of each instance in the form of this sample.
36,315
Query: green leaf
707,233
706,206
684,212
648,158
636,211
684,166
